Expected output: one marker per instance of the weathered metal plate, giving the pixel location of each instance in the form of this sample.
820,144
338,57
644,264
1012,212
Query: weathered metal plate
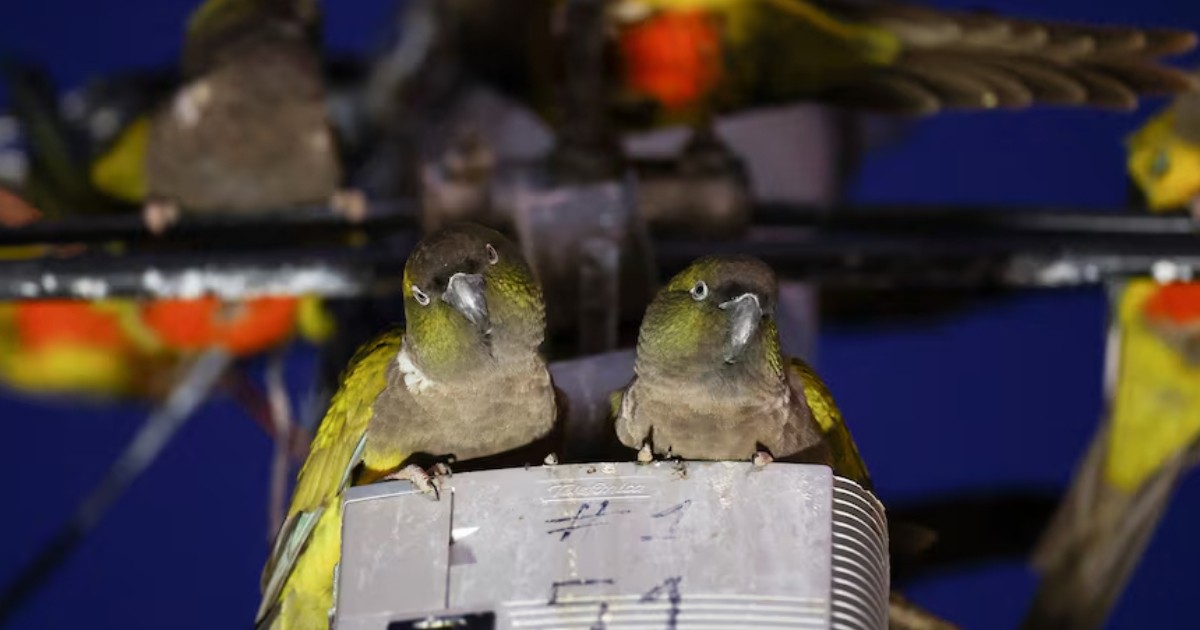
695,545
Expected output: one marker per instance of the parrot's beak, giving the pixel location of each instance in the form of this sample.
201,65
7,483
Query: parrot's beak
465,293
745,314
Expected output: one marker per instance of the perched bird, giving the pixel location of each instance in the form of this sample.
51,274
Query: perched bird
464,380
1164,156
712,383
247,131
1138,456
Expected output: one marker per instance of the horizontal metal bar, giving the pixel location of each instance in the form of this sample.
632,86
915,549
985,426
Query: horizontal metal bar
307,251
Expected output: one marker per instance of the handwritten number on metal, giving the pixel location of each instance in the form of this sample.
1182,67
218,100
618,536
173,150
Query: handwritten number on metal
557,586
599,624
670,586
582,518
675,515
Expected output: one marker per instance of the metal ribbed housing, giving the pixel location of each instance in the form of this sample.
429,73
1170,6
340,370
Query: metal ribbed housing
713,545
861,580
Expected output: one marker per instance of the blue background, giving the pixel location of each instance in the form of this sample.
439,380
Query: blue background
1006,392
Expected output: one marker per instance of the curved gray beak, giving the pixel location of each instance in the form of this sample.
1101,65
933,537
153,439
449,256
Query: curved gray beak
465,293
745,314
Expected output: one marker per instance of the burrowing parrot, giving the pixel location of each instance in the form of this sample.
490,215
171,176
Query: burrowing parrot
247,131
712,383
464,379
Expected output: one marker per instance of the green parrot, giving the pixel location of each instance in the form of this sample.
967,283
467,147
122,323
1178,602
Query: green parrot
711,381
682,58
465,381
682,61
246,132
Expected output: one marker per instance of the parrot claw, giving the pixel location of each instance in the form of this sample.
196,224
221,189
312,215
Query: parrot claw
418,477
645,455
551,460
349,204
441,469
762,458
1194,206
158,215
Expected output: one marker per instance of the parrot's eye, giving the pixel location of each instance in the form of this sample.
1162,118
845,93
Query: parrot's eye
492,255
420,296
699,291
1160,164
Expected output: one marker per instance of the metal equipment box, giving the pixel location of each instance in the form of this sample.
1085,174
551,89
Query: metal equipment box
669,545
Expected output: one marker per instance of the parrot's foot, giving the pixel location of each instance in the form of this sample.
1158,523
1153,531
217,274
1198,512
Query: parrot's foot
418,477
441,469
349,204
1195,208
762,458
645,454
158,215
551,460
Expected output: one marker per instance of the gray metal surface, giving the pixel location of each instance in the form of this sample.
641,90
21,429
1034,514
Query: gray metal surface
666,545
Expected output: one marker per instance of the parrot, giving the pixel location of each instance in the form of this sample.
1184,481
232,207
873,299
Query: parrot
1122,487
683,61
1164,156
711,382
686,58
247,130
464,379
79,348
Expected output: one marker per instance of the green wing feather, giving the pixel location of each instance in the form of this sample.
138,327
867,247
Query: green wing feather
334,454
846,460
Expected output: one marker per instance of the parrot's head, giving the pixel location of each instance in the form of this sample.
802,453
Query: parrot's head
1164,157
470,300
217,28
716,318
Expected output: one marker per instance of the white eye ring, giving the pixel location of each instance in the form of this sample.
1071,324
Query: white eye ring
420,296
492,255
700,291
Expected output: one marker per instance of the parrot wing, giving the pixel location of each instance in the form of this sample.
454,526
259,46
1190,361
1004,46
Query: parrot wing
847,462
334,454
887,57
981,60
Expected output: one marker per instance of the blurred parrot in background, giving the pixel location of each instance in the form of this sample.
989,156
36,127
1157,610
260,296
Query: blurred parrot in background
686,58
464,380
683,61
79,348
1125,482
247,131
1164,156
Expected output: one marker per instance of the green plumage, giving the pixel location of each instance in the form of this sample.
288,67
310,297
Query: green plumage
466,381
711,381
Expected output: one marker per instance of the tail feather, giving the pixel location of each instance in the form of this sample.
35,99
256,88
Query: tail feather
1092,546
